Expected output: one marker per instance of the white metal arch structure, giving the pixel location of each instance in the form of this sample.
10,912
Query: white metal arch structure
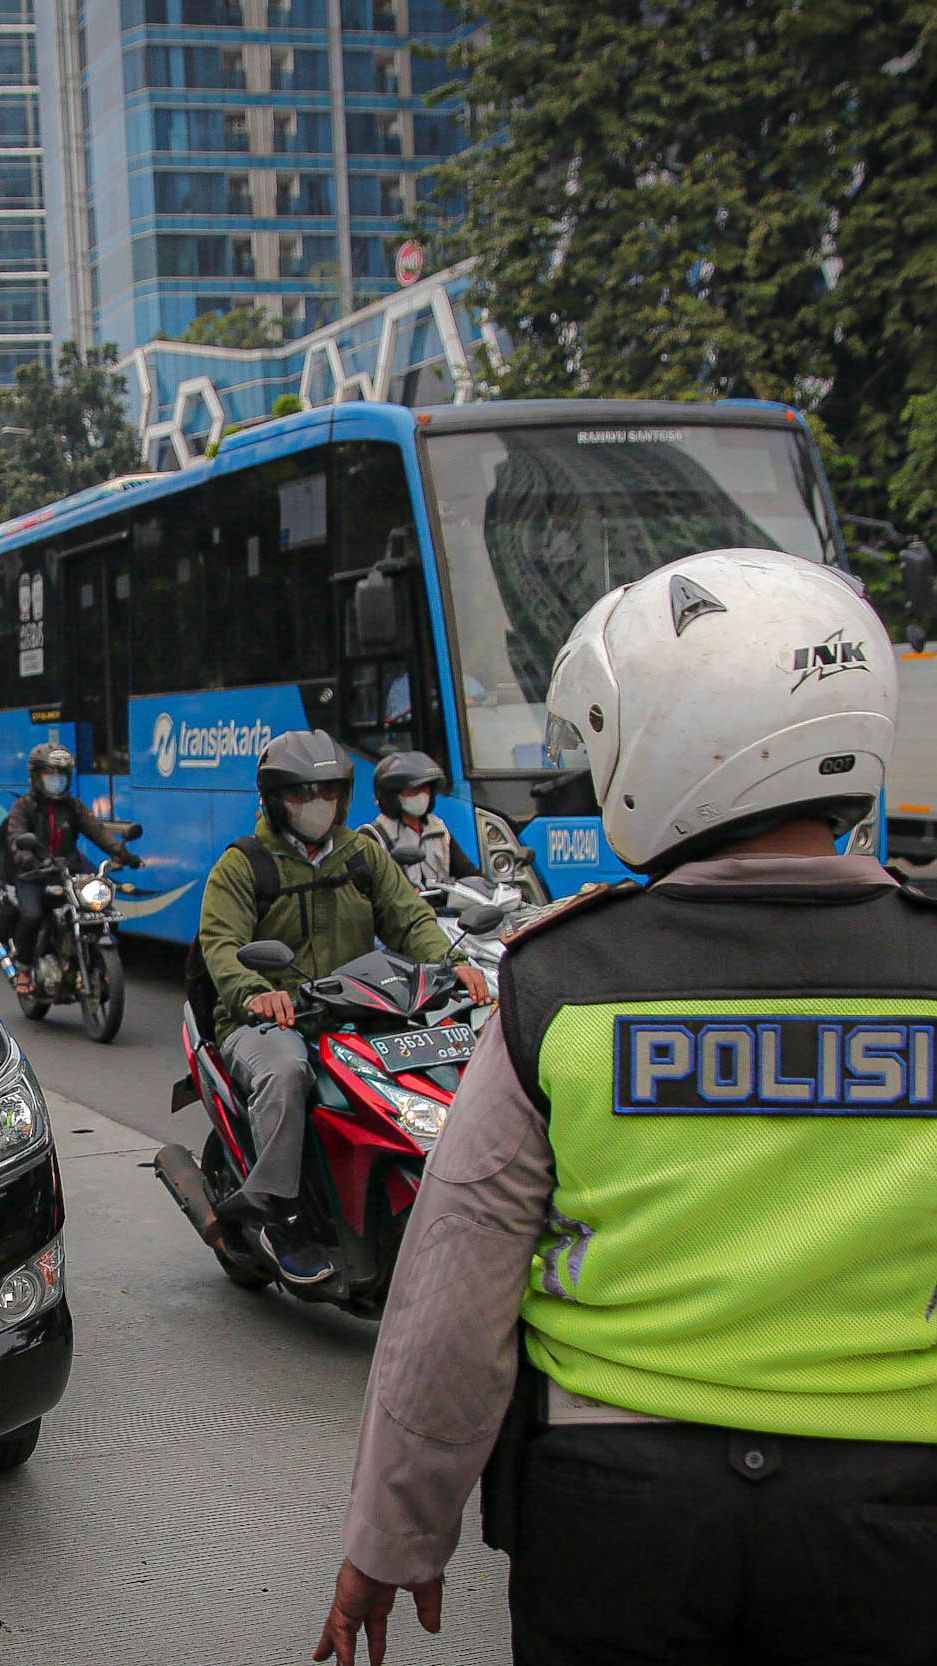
324,367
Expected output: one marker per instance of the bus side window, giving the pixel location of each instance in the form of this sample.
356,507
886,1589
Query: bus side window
391,695
168,630
30,657
268,574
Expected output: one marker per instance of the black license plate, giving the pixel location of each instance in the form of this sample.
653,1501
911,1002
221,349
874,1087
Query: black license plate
415,1049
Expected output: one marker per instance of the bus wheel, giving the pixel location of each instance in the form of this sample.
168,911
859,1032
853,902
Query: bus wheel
102,1006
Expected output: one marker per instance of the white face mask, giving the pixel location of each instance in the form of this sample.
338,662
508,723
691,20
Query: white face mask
313,820
53,784
414,804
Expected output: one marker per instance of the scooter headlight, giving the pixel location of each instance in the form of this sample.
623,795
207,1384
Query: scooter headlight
96,894
422,1117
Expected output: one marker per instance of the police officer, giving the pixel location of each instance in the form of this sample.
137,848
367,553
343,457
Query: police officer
696,1151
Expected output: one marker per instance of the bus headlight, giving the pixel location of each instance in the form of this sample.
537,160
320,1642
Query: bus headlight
499,852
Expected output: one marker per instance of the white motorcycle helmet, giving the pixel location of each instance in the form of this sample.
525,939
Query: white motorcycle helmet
720,694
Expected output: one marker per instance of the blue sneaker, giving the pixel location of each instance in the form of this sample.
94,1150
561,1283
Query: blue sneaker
298,1259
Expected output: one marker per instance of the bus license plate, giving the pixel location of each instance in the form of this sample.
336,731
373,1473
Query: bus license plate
415,1049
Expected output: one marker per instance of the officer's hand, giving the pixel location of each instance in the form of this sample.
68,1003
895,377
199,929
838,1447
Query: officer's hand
474,981
360,1600
132,860
276,1006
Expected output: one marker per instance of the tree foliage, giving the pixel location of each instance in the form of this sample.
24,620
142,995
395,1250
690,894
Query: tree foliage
728,198
240,327
65,431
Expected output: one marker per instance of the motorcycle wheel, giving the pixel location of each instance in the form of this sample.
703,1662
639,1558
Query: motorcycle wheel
32,1007
102,1006
241,1270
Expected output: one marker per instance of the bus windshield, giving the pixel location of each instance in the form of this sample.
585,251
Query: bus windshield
539,522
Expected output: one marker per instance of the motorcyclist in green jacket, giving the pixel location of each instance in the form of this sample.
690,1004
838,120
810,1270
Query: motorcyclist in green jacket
338,890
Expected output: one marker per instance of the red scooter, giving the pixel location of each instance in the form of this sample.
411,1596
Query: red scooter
388,1040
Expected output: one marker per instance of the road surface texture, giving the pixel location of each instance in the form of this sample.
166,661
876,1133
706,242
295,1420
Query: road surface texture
185,1501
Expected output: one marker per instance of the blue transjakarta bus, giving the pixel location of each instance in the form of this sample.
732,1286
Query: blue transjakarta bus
402,578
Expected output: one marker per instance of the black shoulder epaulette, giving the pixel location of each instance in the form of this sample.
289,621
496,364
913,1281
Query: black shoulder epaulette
553,913
909,891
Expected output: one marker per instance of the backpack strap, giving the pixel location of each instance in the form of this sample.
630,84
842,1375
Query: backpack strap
267,884
266,874
373,830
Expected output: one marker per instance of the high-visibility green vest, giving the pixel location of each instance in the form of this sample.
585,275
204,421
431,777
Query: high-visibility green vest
744,1226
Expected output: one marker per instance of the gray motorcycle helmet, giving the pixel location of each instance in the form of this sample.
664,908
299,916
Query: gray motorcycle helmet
406,772
299,758
48,755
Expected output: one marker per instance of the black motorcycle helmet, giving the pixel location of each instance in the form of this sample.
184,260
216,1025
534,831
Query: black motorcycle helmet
299,758
405,772
49,755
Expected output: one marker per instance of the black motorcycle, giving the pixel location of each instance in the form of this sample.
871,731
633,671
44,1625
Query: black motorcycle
77,958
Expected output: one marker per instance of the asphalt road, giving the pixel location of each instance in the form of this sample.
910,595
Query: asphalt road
185,1502
131,1079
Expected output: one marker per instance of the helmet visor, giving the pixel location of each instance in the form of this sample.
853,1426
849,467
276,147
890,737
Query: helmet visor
564,745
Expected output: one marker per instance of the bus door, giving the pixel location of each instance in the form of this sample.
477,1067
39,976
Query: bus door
97,624
389,695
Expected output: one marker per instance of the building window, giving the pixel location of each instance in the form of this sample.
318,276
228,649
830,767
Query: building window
232,70
239,194
236,134
243,257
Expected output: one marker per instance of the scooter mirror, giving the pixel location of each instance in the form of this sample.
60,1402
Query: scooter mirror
409,856
266,955
480,917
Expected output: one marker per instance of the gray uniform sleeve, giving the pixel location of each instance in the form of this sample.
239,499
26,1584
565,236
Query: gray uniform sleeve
446,1357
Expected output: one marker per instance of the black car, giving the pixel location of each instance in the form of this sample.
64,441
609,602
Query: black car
35,1323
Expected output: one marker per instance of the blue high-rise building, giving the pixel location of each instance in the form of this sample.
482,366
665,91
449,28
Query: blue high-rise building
207,154
24,301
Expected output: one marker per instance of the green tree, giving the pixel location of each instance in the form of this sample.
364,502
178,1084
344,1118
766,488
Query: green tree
64,431
729,198
287,404
241,327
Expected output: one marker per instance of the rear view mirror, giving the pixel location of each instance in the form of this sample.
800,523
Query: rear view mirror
376,610
481,917
266,955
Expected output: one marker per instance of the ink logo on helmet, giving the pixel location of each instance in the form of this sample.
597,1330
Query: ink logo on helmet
204,746
826,659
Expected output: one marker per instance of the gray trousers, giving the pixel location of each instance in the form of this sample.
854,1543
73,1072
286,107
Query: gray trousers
272,1068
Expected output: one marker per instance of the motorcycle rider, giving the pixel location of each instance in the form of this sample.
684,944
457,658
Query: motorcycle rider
51,812
405,786
695,1151
338,890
